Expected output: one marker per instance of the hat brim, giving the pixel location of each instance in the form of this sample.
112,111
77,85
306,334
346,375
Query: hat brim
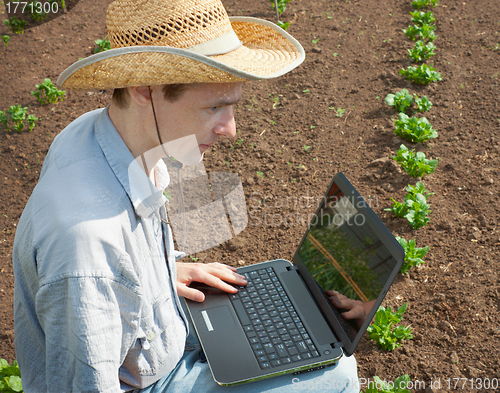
267,52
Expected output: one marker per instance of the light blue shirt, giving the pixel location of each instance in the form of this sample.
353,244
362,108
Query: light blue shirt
95,302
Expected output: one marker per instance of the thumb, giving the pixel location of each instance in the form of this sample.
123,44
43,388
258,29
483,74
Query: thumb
190,293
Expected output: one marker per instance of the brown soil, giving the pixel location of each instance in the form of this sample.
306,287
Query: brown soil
453,299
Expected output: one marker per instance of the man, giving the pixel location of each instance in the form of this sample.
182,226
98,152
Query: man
97,284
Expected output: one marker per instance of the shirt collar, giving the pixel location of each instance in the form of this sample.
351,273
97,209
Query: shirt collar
145,197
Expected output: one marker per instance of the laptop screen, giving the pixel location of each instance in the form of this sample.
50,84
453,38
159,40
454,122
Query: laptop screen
349,250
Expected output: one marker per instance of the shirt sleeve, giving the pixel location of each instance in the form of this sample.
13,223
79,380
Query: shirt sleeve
89,325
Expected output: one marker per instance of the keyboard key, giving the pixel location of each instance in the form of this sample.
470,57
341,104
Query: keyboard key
269,348
276,363
293,350
281,350
296,358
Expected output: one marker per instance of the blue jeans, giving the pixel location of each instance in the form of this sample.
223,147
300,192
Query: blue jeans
192,374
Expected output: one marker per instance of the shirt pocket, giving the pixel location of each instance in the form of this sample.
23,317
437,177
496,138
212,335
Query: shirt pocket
161,337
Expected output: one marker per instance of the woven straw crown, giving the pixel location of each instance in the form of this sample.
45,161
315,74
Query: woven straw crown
178,24
157,42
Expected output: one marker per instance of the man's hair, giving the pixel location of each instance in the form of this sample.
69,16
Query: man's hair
171,93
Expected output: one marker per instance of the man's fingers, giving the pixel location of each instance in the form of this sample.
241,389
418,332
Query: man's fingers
190,293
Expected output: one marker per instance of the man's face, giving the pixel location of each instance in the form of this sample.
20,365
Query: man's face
204,110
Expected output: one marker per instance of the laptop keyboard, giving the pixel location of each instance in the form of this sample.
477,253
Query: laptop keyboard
273,328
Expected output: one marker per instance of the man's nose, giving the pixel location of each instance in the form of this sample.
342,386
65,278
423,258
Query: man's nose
227,126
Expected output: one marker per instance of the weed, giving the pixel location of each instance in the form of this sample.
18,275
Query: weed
6,39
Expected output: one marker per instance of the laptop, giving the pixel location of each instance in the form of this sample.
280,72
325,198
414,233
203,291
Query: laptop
282,321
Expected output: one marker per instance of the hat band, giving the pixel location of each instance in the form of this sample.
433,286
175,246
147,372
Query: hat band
217,46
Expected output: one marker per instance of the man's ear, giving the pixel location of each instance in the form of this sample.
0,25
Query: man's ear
140,95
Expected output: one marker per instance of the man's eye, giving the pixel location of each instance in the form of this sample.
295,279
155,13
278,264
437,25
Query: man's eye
214,108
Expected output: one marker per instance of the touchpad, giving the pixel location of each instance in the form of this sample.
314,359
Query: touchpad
217,318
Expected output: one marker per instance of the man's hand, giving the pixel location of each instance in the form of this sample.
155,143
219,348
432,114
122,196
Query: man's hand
214,274
357,309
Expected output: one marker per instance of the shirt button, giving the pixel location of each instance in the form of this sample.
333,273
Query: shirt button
150,336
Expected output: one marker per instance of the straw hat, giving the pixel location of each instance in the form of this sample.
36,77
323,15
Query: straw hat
157,42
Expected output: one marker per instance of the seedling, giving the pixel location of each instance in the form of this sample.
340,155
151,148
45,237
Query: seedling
281,5
4,120
15,25
276,100
421,18
413,254
415,164
398,386
400,101
6,39
384,332
425,32
17,115
340,112
421,75
414,208
315,41
47,92
421,51
31,121
306,148
283,25
423,104
102,45
419,4
10,377
414,129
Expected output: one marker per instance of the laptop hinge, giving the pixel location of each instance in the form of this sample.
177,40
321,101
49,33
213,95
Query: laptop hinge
293,267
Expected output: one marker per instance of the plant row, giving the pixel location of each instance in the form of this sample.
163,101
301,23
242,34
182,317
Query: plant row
45,93
385,331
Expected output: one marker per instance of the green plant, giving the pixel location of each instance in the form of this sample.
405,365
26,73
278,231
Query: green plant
423,104
421,75
15,25
283,25
340,112
31,121
10,377
281,5
421,18
414,129
4,120
414,208
306,147
425,32
398,386
384,332
413,254
102,45
419,4
260,174
17,115
415,164
421,51
47,92
400,101
6,39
